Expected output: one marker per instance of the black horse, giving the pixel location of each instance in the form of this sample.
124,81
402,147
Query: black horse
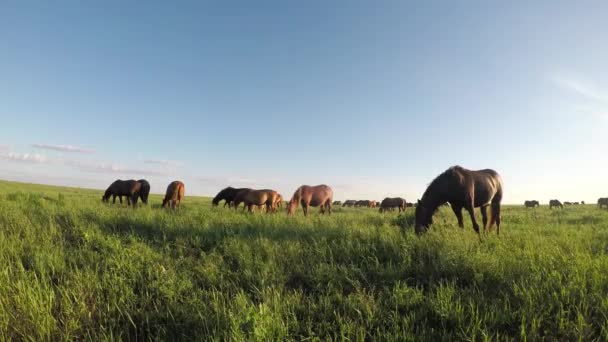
462,188
227,195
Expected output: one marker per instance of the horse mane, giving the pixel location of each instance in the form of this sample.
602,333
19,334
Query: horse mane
429,198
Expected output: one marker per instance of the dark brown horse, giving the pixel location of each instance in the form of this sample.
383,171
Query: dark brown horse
363,203
462,188
602,202
256,198
227,195
128,188
349,203
144,192
311,196
392,203
174,194
567,203
555,203
337,203
531,204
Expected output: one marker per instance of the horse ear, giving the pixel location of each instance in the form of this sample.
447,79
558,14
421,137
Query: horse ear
418,201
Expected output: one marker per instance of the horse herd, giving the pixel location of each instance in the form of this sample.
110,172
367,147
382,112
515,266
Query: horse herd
601,202
457,187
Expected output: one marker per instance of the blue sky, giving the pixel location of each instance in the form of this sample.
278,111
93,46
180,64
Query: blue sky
372,98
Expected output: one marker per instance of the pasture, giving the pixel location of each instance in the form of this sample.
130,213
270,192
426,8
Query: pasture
75,268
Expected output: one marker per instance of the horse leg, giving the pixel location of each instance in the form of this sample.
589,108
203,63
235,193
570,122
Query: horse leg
471,209
495,216
328,207
458,212
484,216
305,209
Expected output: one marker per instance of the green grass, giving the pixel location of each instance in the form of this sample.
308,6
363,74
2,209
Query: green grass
74,268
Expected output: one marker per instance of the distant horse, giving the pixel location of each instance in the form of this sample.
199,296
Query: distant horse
531,204
555,203
567,203
256,198
582,202
227,195
409,205
349,203
362,203
128,188
337,203
373,204
279,202
311,196
144,192
466,189
174,194
602,201
575,203
392,203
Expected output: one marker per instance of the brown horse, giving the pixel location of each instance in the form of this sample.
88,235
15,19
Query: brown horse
349,203
257,198
174,194
531,204
602,201
279,202
145,190
227,195
462,188
392,203
337,203
315,196
128,188
373,204
555,203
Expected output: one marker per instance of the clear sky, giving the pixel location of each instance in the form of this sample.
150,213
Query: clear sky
373,98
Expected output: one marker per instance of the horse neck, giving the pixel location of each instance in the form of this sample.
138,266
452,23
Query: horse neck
433,197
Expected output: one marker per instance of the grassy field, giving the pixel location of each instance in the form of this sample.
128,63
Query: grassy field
74,268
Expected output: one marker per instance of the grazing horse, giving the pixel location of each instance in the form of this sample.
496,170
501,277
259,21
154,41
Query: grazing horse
227,195
128,188
373,204
349,203
555,203
279,202
409,205
567,203
582,202
466,189
575,203
174,194
145,190
315,196
392,203
602,201
362,203
531,204
257,198
337,203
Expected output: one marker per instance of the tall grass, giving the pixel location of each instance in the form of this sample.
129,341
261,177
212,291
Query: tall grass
74,268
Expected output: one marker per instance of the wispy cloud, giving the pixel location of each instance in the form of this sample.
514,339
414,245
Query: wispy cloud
581,88
99,167
63,148
25,157
174,163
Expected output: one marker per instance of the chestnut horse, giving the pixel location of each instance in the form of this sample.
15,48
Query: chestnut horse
462,188
391,203
257,198
174,194
227,195
128,188
311,196
145,190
